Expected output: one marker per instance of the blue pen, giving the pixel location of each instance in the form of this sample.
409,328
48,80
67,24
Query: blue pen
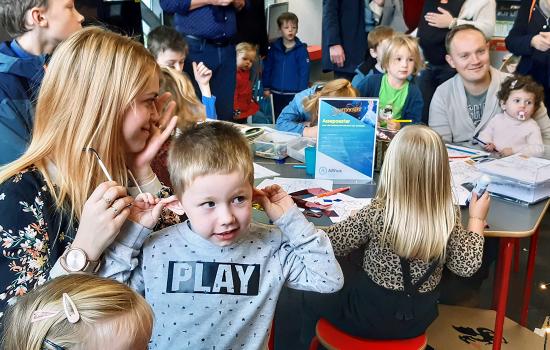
299,166
461,150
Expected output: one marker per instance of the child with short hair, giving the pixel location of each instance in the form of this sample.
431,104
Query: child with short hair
37,26
399,97
286,67
79,312
170,50
245,107
378,40
300,116
407,234
221,273
168,47
513,130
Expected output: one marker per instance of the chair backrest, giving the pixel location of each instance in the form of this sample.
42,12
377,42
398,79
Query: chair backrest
334,339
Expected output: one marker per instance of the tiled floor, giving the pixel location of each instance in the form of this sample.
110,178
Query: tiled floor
287,324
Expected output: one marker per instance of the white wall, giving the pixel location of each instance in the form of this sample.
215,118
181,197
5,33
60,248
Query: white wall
310,13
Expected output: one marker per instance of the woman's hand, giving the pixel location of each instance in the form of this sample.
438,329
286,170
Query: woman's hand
102,216
274,200
140,163
443,19
147,208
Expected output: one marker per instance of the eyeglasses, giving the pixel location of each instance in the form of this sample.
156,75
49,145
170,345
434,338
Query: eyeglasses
50,345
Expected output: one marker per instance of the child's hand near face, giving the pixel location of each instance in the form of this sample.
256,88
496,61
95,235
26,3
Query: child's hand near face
202,76
274,200
146,209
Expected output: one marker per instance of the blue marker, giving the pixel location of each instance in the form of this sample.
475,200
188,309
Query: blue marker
460,150
299,166
478,140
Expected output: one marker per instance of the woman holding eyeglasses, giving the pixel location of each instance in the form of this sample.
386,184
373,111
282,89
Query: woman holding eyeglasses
97,128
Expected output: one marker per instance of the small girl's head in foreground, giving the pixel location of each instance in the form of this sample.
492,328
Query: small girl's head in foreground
401,58
520,96
188,107
415,185
79,312
212,174
246,55
333,88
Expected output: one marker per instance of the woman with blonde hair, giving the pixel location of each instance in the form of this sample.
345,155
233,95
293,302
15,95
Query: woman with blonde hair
96,130
79,312
406,235
300,116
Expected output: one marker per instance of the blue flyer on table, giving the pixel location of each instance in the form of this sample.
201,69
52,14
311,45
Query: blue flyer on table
346,139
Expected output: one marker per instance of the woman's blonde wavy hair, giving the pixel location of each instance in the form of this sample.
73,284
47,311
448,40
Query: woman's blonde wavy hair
415,185
188,107
333,88
107,309
91,81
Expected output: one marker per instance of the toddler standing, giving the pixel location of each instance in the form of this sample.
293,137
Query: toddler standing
286,68
513,129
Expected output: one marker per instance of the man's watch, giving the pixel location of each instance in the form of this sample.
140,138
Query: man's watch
76,260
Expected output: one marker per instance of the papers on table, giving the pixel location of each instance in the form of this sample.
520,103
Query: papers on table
521,168
292,185
462,172
261,172
342,204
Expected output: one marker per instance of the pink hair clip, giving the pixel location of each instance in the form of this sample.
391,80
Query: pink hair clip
69,308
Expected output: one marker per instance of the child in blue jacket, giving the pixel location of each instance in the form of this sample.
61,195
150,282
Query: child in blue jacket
400,99
286,68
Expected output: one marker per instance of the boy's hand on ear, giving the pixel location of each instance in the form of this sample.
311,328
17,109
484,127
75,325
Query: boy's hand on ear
274,200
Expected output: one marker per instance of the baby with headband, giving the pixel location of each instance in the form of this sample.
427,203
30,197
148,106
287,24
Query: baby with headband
79,311
513,129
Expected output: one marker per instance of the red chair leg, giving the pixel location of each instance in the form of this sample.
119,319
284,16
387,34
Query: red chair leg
498,273
528,282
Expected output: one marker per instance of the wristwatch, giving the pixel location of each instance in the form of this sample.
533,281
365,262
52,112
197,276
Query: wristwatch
76,260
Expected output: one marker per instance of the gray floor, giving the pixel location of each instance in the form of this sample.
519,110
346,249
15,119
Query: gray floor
286,325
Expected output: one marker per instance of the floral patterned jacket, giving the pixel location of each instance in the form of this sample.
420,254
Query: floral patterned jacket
34,234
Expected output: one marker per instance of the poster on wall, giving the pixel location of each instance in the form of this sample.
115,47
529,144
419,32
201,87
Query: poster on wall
346,139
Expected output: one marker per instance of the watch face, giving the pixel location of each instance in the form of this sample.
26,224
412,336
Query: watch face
76,260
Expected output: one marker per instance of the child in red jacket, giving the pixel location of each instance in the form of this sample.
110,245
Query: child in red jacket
246,109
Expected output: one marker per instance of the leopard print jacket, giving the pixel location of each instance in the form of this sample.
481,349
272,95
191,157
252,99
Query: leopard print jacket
463,256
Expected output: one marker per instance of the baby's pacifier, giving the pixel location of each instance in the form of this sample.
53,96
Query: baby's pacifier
521,115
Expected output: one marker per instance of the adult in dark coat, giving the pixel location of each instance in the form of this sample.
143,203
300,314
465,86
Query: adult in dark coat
530,39
344,38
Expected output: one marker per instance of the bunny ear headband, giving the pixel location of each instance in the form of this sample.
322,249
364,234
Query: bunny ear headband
69,308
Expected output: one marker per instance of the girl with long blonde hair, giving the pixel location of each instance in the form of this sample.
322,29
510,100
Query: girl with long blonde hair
300,116
96,129
79,312
406,235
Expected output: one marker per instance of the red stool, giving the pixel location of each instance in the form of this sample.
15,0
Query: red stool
334,339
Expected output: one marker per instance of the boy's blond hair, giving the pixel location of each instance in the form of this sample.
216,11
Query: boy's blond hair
13,14
188,107
379,34
415,185
91,82
397,42
107,308
205,149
